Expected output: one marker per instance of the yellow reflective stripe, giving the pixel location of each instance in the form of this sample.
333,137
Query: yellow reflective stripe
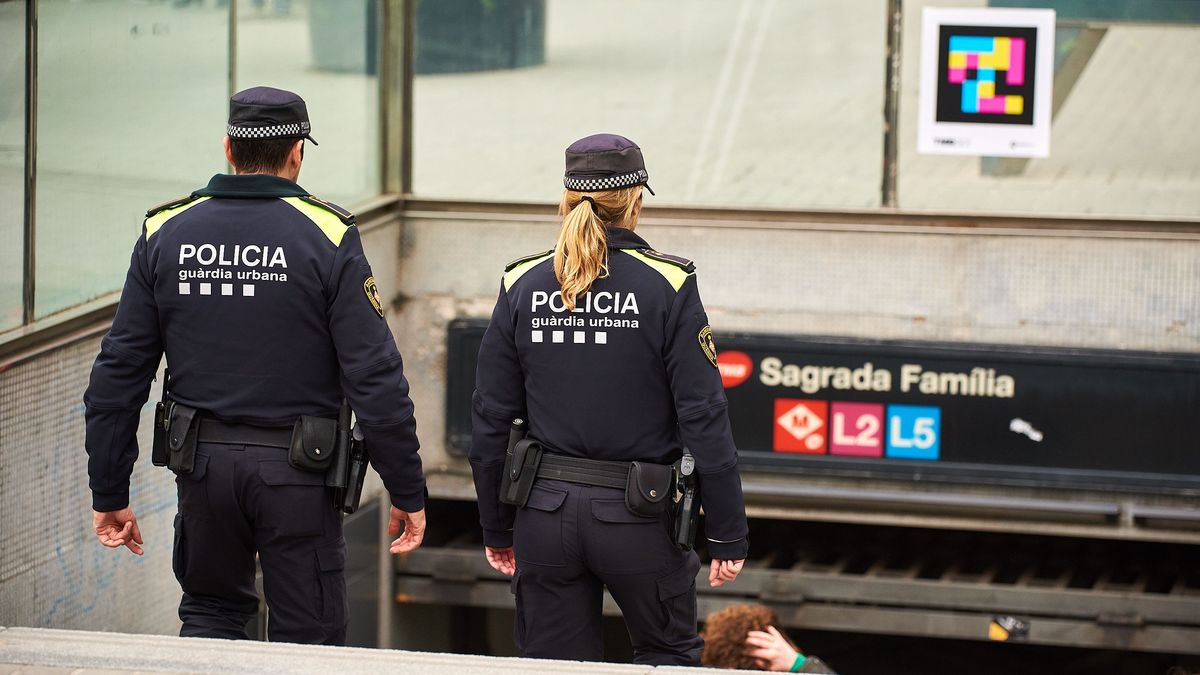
673,273
155,222
330,224
511,276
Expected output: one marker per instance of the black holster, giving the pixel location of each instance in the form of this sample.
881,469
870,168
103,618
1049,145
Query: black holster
158,446
159,452
686,509
520,471
356,474
182,424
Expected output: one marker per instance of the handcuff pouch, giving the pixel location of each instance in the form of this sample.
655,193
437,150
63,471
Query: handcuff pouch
313,444
649,488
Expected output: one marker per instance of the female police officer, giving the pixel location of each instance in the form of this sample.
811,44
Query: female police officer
602,344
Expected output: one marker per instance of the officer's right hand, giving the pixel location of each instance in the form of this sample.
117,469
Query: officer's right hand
724,571
118,528
503,560
414,530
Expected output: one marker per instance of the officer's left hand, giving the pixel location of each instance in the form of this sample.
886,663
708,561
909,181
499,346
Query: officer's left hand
723,571
503,560
118,528
414,530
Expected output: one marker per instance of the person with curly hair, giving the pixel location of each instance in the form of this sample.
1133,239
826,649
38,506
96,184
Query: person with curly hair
745,637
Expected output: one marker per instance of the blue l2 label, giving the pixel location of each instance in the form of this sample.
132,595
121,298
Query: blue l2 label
914,432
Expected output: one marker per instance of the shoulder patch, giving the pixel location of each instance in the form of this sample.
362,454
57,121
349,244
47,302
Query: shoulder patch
682,263
345,216
322,214
178,201
708,346
162,213
674,270
524,259
515,269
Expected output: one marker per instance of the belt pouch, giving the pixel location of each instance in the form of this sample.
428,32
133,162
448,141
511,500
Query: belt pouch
158,447
520,470
312,447
648,489
182,422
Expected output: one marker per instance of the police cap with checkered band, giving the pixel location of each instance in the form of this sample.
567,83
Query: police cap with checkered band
605,162
262,113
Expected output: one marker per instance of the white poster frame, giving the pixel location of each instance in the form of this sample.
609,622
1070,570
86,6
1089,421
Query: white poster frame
984,139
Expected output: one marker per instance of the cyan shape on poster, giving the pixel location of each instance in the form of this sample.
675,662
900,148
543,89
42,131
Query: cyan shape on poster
914,432
972,43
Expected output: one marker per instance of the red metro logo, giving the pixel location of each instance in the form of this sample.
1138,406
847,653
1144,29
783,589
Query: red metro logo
735,368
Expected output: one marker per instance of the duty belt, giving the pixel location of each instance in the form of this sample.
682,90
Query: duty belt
213,430
585,471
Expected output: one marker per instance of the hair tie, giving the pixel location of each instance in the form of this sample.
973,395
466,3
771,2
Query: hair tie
588,199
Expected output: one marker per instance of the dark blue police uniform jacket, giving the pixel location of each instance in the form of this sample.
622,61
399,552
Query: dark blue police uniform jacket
625,376
264,302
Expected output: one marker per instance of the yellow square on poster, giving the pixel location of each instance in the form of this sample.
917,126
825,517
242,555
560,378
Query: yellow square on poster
1014,105
1001,51
958,59
988,90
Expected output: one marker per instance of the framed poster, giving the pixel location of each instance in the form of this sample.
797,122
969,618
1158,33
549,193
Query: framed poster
985,83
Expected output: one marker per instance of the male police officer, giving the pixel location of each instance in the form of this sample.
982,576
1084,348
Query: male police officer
264,303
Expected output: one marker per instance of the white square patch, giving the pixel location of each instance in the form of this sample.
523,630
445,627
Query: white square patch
185,288
247,290
556,336
226,289
536,335
580,337
206,289
601,337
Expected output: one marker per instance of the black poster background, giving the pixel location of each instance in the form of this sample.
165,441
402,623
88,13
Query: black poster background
1122,420
949,96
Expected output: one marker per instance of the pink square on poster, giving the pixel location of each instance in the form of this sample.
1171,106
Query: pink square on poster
972,60
993,106
1016,62
856,429
958,75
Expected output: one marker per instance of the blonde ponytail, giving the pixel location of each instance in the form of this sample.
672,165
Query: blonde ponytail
581,253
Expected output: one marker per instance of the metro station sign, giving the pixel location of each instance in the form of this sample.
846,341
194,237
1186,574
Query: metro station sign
908,409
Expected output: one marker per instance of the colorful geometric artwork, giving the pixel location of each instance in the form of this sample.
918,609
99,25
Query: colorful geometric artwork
985,74
983,56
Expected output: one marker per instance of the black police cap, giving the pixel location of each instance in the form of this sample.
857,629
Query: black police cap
261,113
605,162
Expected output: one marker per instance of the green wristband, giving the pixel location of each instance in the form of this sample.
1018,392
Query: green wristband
800,659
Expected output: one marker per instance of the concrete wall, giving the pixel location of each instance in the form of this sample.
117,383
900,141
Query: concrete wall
53,571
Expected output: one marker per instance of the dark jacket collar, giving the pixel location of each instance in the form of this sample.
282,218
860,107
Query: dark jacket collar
250,185
620,237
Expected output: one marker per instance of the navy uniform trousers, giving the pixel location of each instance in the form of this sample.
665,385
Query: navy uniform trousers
572,541
243,499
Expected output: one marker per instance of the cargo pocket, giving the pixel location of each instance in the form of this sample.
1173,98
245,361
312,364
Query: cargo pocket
537,533
193,492
178,553
331,580
622,542
294,502
677,596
